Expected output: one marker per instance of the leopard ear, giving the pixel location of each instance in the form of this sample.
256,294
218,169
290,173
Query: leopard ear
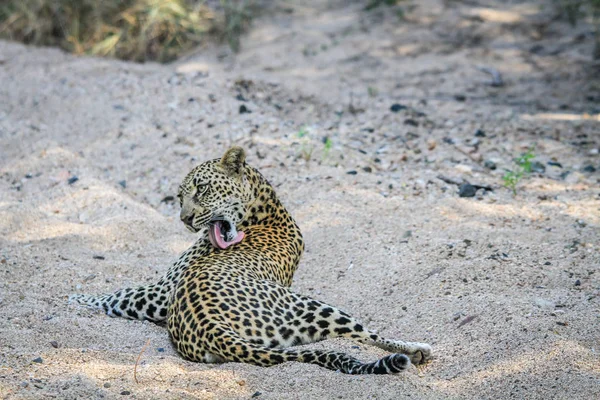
233,161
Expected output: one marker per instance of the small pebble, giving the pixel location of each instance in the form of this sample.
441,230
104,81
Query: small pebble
589,168
460,97
367,169
239,97
123,184
24,384
168,199
352,172
28,176
160,350
397,107
72,179
479,133
99,257
125,393
244,109
106,384
38,360
256,394
547,263
411,122
489,164
467,190
431,144
538,167
54,344
577,282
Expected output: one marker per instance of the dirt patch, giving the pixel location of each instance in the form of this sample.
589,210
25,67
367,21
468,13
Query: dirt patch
367,126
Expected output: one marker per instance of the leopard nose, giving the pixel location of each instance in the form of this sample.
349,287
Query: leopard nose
188,219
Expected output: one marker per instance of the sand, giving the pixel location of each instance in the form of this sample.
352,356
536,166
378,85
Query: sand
505,288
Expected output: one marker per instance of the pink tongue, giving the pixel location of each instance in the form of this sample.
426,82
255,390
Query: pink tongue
214,235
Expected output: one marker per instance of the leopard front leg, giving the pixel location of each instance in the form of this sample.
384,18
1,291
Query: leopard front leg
148,302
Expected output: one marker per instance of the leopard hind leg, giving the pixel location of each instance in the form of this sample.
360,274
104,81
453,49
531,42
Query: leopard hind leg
321,321
228,345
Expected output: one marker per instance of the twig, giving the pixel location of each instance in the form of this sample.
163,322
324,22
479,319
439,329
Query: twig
138,360
497,80
450,180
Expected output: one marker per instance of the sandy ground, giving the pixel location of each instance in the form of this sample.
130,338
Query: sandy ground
505,288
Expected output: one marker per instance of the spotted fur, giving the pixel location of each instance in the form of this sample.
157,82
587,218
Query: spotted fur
235,304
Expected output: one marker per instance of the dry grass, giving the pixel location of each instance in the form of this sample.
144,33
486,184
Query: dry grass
139,30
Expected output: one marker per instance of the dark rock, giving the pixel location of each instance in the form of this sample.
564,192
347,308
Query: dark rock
460,97
123,184
73,179
106,384
168,199
367,169
125,393
397,107
589,168
547,263
38,360
28,176
352,172
256,394
467,190
489,164
240,97
479,133
244,109
577,282
54,344
411,122
160,350
554,164
538,167
448,140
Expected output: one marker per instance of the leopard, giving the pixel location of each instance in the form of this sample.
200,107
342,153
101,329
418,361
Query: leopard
228,298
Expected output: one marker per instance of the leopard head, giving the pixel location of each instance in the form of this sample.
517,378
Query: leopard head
215,195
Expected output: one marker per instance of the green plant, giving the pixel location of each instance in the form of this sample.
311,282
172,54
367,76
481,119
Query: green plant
328,144
523,163
306,147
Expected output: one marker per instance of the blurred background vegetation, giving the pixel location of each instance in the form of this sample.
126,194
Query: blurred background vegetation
138,30
160,30
574,10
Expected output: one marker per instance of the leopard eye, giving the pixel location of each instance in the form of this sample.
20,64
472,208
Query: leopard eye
201,189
